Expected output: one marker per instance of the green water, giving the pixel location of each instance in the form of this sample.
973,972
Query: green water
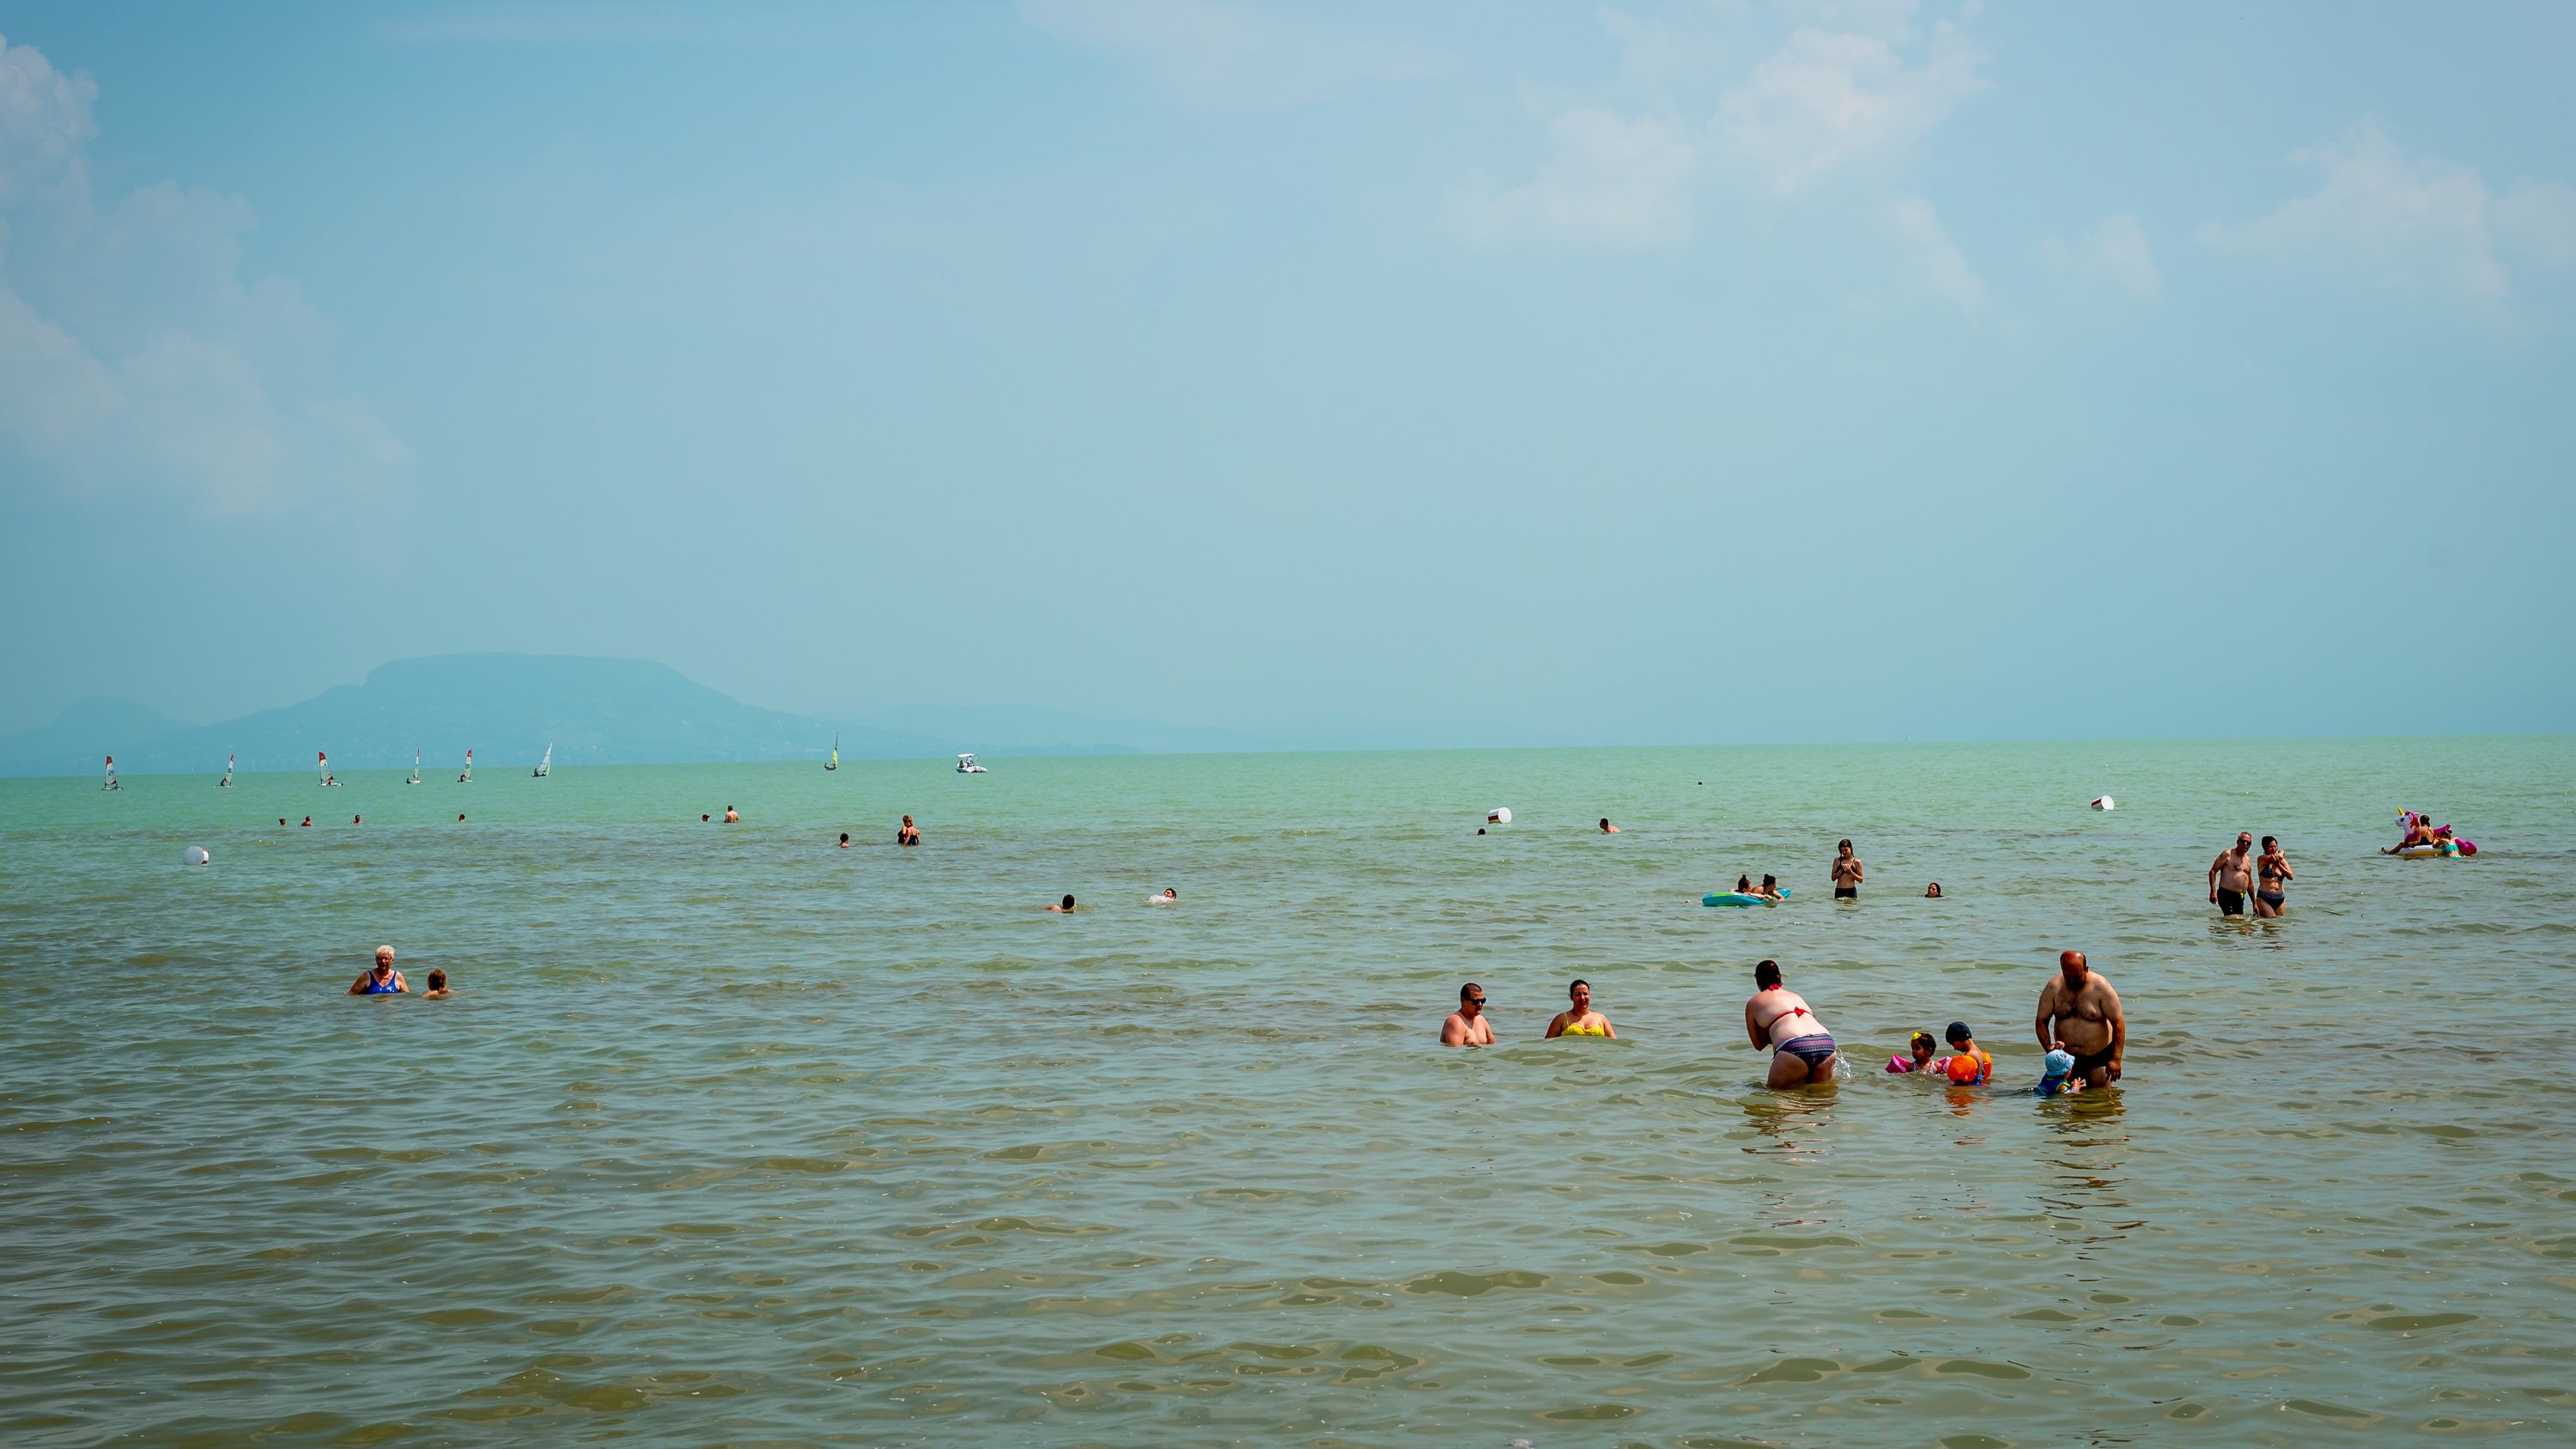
731,1136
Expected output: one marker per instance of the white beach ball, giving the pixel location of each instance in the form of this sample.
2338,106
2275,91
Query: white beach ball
2105,803
1499,815
195,855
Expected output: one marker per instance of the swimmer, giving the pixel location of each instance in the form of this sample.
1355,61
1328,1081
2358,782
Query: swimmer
1168,897
1769,889
1580,1019
703,818
910,834
731,817
2055,1069
357,820
1744,885
281,820
1607,828
307,821
1921,1044
1802,1051
2079,1010
1065,909
460,817
1467,1026
437,987
845,840
2232,875
1847,873
2272,878
1932,892
380,979
1968,1064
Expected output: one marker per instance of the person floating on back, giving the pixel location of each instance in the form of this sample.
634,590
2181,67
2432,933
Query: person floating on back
1167,898
1802,1051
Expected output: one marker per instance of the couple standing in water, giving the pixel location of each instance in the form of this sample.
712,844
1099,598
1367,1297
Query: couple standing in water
1802,1051
1468,1026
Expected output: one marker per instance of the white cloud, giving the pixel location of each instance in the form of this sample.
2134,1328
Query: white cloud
2115,254
1606,179
2412,224
133,357
44,118
1822,106
1932,261
1830,101
1215,52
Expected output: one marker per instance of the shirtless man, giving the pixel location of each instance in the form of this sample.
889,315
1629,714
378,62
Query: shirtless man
732,817
380,979
1607,828
1578,1018
2079,1011
1467,1026
1847,873
1802,1051
2231,876
1065,909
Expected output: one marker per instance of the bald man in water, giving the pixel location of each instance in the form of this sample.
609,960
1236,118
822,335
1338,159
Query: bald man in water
2079,1011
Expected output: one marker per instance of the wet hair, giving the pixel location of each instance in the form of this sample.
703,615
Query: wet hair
1744,882
1605,822
1068,900
1842,845
1933,889
1767,975
1470,986
1577,981
2270,840
1770,880
845,837
438,981
1921,1039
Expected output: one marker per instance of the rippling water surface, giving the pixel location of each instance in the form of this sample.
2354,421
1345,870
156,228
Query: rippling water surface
731,1136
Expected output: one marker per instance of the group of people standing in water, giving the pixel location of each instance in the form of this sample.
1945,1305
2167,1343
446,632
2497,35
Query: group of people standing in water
2080,1026
2239,872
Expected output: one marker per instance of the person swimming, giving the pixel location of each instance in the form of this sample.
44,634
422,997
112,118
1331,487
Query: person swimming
1769,890
1802,1051
845,840
731,817
1744,885
910,834
1932,892
437,987
1607,828
1468,1026
2054,1069
1968,1064
1065,909
1168,897
1921,1044
380,979
1579,1019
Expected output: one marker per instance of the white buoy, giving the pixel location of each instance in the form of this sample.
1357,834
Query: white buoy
195,855
2105,802
1499,815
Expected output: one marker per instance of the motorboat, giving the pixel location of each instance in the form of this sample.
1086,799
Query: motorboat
966,766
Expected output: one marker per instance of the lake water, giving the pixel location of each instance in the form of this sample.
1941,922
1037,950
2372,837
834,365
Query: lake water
731,1136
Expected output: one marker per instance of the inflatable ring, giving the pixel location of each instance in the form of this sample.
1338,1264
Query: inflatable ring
1740,898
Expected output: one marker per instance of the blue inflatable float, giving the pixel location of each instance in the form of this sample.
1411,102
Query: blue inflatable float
1740,898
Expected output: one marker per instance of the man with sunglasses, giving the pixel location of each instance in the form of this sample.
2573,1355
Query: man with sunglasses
1467,1026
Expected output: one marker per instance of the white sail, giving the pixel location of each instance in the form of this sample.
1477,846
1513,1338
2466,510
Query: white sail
415,769
548,762
322,766
111,775
228,771
468,777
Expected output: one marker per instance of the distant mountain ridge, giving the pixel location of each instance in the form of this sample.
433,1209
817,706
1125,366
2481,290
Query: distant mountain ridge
509,707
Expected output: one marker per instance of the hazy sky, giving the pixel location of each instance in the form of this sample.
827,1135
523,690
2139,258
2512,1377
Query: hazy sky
1472,372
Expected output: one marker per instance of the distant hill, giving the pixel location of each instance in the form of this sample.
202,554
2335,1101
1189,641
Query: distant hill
509,707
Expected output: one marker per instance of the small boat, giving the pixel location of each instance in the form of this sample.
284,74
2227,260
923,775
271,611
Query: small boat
834,763
415,769
468,777
227,780
111,775
966,766
545,766
322,766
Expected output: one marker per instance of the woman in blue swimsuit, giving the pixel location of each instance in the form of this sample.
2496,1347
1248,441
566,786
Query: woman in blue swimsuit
380,979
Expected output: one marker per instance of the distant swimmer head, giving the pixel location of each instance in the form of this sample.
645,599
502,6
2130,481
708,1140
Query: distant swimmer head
1770,881
845,840
1766,974
1932,892
1068,902
1743,884
1170,894
438,981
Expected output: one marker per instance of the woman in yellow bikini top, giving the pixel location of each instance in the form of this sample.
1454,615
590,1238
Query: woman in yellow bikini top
1580,1019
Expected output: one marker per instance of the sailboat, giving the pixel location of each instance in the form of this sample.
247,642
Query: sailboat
834,763
415,769
322,763
111,775
547,764
228,772
468,777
